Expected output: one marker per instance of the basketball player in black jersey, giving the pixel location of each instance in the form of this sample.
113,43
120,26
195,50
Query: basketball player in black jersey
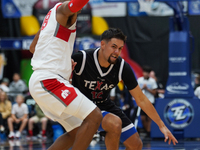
99,70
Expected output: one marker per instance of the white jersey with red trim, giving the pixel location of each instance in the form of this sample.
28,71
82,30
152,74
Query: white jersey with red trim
54,47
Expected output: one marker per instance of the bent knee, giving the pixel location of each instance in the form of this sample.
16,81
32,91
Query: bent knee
10,119
95,116
112,123
134,143
140,144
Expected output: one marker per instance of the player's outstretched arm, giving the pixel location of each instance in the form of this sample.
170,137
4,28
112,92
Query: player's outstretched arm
143,102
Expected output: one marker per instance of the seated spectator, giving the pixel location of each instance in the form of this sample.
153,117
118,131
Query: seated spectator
5,85
38,117
19,116
5,110
17,86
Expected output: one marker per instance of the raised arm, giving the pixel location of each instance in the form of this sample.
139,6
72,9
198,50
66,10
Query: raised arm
143,102
67,9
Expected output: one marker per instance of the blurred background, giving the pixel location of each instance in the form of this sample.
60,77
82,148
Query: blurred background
162,34
146,25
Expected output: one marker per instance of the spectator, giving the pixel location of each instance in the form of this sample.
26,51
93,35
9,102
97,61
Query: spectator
197,81
5,85
160,90
197,92
17,86
38,117
149,87
5,110
19,115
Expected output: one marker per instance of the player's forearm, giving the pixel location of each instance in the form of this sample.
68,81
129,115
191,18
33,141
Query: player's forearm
149,109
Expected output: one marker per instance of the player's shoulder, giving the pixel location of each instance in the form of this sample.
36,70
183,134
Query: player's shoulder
90,51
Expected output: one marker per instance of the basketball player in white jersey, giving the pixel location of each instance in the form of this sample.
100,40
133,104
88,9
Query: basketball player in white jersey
49,84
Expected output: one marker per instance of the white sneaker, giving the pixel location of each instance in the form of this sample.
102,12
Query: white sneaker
18,134
11,143
2,129
11,135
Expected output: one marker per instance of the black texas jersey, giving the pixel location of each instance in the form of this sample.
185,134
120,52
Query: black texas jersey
94,81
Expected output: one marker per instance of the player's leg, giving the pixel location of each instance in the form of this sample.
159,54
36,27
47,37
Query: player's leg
71,125
129,136
133,142
91,116
65,141
112,124
87,129
57,98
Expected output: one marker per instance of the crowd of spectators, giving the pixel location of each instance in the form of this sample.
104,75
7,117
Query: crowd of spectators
19,113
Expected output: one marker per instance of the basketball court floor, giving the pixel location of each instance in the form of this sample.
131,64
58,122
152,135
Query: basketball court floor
148,144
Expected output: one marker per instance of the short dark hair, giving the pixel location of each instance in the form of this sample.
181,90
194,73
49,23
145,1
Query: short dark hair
113,33
147,69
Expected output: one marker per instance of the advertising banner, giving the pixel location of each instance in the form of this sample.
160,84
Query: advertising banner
180,115
104,9
194,7
17,8
179,80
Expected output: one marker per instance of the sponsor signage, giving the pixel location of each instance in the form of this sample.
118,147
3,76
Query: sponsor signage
179,113
194,7
179,79
16,44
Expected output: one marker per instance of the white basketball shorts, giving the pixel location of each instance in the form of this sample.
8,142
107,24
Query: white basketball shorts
59,100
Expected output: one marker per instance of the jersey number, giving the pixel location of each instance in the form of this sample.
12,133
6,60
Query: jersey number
46,20
97,95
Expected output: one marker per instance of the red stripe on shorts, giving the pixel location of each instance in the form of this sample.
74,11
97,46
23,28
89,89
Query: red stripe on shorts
59,90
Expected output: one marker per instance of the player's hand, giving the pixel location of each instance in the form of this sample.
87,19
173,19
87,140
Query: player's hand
168,135
73,64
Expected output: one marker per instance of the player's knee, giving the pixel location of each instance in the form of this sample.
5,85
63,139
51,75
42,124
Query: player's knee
112,123
117,128
133,143
139,144
95,116
98,115
116,124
